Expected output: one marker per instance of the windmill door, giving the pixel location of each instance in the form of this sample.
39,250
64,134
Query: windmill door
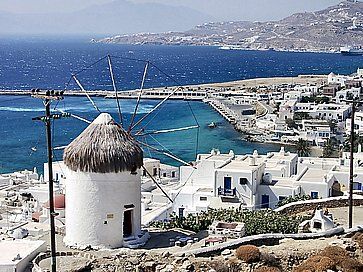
127,223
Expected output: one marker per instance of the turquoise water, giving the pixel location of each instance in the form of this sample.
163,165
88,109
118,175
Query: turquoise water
47,64
19,133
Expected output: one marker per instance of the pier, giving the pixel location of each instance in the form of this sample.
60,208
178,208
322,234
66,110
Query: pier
222,109
152,94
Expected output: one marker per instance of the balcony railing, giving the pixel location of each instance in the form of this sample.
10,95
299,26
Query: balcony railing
227,192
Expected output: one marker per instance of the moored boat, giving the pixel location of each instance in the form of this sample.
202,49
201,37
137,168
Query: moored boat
351,51
212,125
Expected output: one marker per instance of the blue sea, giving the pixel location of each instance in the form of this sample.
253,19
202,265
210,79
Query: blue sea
48,64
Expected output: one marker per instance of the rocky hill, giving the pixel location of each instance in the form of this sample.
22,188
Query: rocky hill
325,30
117,16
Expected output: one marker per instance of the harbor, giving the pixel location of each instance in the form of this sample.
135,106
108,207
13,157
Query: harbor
240,103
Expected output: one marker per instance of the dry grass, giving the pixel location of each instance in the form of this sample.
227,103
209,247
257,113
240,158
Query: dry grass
358,238
103,147
219,266
332,257
248,253
316,264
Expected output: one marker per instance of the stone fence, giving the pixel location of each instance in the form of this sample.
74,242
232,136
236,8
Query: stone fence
258,240
309,205
43,256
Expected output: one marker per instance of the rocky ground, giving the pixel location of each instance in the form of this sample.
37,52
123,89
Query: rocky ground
288,255
338,253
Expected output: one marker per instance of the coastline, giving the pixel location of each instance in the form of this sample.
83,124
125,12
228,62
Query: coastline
245,83
206,89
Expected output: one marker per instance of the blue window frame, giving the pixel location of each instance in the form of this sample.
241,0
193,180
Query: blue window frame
314,195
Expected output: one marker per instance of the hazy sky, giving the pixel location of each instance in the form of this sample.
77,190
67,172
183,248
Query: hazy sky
219,9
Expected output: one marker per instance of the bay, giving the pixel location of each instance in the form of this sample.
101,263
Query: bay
48,64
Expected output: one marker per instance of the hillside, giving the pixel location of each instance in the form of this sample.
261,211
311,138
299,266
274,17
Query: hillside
325,30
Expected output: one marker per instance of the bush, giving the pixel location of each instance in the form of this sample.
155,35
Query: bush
267,269
316,264
332,257
291,199
358,238
219,266
248,253
269,260
256,222
350,265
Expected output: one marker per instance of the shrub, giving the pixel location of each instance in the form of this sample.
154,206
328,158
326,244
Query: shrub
350,265
248,253
219,266
336,253
358,238
291,199
256,222
342,259
267,269
269,260
332,257
316,264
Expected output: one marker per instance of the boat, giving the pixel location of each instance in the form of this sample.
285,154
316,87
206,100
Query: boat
212,125
351,51
34,149
231,47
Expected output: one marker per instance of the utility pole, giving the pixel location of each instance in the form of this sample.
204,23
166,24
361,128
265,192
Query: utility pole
354,104
351,165
47,98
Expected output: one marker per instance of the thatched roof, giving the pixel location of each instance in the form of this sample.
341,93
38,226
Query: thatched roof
103,147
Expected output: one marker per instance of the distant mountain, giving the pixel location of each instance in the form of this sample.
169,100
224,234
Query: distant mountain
325,30
119,16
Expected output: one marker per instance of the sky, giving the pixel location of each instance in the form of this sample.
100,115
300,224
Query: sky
221,10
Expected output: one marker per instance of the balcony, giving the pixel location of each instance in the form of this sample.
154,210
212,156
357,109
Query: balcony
227,192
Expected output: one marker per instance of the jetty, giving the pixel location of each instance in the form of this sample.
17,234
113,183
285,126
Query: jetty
222,109
132,94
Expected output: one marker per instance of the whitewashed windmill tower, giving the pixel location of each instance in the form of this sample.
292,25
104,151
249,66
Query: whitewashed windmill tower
103,186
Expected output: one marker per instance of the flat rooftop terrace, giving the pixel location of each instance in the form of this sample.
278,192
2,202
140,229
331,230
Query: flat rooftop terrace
313,175
11,248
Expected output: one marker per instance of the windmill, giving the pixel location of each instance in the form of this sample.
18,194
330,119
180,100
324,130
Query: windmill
137,125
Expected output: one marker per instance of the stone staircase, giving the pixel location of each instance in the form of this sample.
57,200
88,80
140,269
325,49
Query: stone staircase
137,241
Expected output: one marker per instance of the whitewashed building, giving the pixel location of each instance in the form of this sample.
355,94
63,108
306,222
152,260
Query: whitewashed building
331,111
260,181
316,132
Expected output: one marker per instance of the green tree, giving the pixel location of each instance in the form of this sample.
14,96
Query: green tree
303,148
329,149
333,125
291,123
357,140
